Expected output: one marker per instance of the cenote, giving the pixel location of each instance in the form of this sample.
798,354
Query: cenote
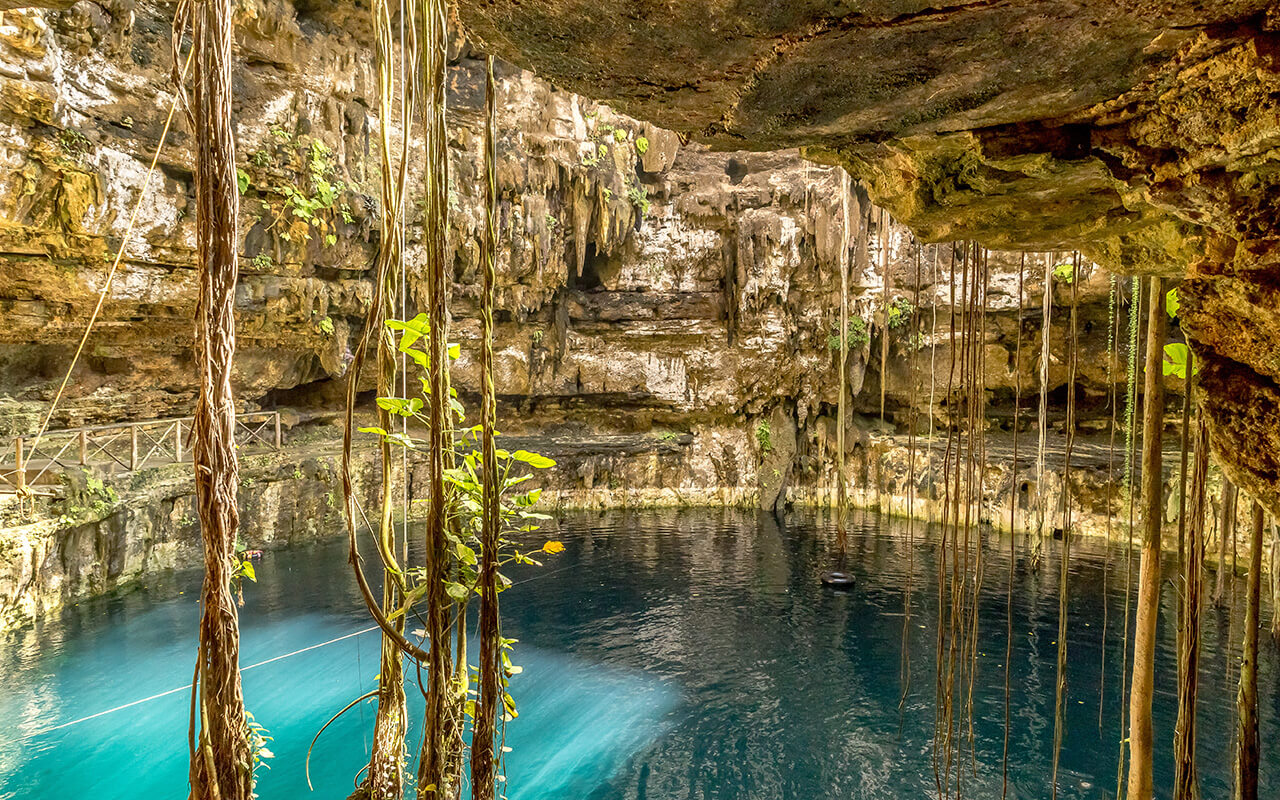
590,326
687,654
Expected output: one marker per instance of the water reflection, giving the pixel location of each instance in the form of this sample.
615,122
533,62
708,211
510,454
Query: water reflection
667,655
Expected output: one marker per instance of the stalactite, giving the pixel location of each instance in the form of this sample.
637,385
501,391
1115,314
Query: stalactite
221,759
1142,683
483,757
1186,782
1247,744
433,761
1064,574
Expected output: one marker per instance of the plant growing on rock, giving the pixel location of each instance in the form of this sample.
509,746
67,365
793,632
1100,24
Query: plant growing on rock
899,312
73,143
315,199
764,436
857,333
639,198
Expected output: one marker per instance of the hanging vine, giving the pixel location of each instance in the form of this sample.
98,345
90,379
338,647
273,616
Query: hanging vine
385,775
483,758
1247,743
1064,575
842,499
1142,683
1113,328
1131,401
434,780
1046,311
1185,782
1013,513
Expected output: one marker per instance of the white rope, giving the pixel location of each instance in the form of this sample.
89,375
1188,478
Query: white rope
188,686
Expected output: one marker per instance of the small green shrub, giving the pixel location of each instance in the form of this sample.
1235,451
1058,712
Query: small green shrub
900,311
73,143
326,326
642,145
639,198
1064,272
764,436
857,334
263,261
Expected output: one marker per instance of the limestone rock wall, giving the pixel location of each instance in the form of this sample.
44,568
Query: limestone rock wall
658,302
636,272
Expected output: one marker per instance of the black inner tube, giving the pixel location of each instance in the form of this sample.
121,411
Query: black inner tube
837,578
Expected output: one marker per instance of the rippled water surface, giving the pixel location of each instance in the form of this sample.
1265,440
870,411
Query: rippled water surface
666,655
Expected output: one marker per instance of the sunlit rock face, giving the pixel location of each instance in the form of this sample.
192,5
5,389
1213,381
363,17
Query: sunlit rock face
642,280
1143,132
657,300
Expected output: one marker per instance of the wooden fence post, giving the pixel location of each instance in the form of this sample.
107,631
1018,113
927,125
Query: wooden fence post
21,474
177,441
133,447
278,439
84,447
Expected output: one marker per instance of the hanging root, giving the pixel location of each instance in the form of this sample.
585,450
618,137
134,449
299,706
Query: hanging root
1185,783
222,762
483,757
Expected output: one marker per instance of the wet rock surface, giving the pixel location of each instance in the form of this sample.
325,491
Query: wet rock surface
1141,131
658,300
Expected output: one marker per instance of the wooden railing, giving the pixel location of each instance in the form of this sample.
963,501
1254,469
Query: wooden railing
128,446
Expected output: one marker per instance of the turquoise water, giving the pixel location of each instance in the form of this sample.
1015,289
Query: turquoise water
666,655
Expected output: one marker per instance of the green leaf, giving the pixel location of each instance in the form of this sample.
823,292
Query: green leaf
465,554
1172,304
455,350
246,569
414,329
456,590
242,180
372,429
533,459
1176,358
